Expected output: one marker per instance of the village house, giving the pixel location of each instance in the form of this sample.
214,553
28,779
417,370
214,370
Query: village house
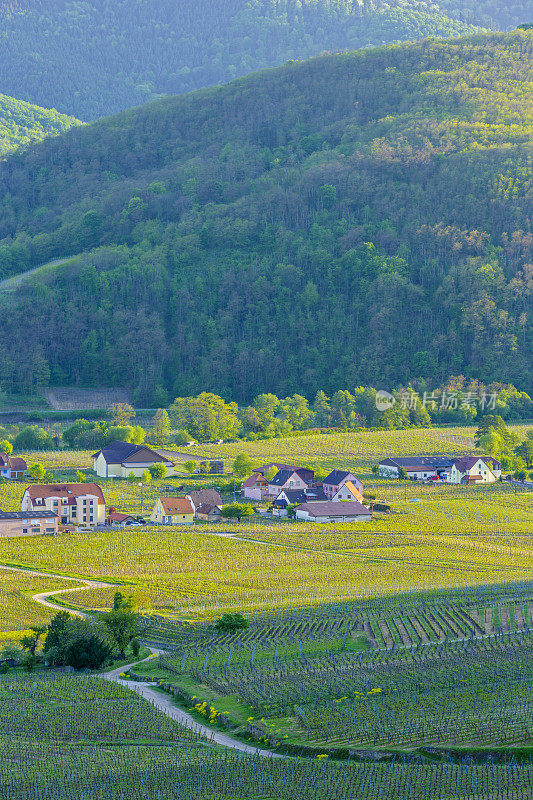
475,470
290,479
336,480
255,487
121,459
208,512
333,512
292,497
207,500
348,492
172,511
74,503
416,467
23,523
12,467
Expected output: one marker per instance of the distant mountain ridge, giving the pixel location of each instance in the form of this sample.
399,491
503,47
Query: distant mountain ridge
361,218
22,123
98,57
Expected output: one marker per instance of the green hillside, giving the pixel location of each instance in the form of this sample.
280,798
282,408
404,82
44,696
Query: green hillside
356,219
22,123
98,57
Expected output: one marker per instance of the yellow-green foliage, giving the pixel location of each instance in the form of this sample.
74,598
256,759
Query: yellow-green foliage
22,123
437,543
17,610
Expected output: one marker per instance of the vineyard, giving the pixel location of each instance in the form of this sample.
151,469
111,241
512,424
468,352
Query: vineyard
81,737
440,668
17,609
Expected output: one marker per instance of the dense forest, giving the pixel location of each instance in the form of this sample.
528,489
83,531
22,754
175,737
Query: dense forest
98,57
359,218
22,123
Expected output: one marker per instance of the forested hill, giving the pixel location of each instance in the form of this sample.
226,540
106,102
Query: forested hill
356,219
98,57
22,123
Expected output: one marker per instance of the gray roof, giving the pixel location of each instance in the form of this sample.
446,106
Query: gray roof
307,495
27,514
351,509
336,476
199,497
431,462
281,477
118,452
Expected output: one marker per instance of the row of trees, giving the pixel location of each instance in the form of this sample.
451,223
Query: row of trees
495,439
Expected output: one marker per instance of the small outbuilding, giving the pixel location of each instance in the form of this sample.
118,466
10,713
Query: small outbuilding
333,512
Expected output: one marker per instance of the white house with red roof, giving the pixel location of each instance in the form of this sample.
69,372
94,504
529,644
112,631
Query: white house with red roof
74,503
475,470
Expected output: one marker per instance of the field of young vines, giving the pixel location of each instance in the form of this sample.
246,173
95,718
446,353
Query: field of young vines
80,737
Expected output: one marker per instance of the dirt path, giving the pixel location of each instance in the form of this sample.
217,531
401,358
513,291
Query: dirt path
166,704
42,597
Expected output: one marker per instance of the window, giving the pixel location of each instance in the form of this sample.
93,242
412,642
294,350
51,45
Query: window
24,530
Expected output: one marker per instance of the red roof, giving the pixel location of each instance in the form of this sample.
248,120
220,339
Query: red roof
117,516
13,462
68,490
176,505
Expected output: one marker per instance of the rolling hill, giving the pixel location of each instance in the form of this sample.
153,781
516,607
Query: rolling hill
98,57
22,123
357,218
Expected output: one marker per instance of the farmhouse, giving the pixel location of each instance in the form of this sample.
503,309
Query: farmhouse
172,511
74,503
12,467
475,469
120,459
22,523
333,512
416,467
336,480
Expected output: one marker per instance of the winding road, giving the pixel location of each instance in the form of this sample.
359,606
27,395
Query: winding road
163,702
166,704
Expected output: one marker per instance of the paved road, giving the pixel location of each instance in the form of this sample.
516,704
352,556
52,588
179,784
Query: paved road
165,704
